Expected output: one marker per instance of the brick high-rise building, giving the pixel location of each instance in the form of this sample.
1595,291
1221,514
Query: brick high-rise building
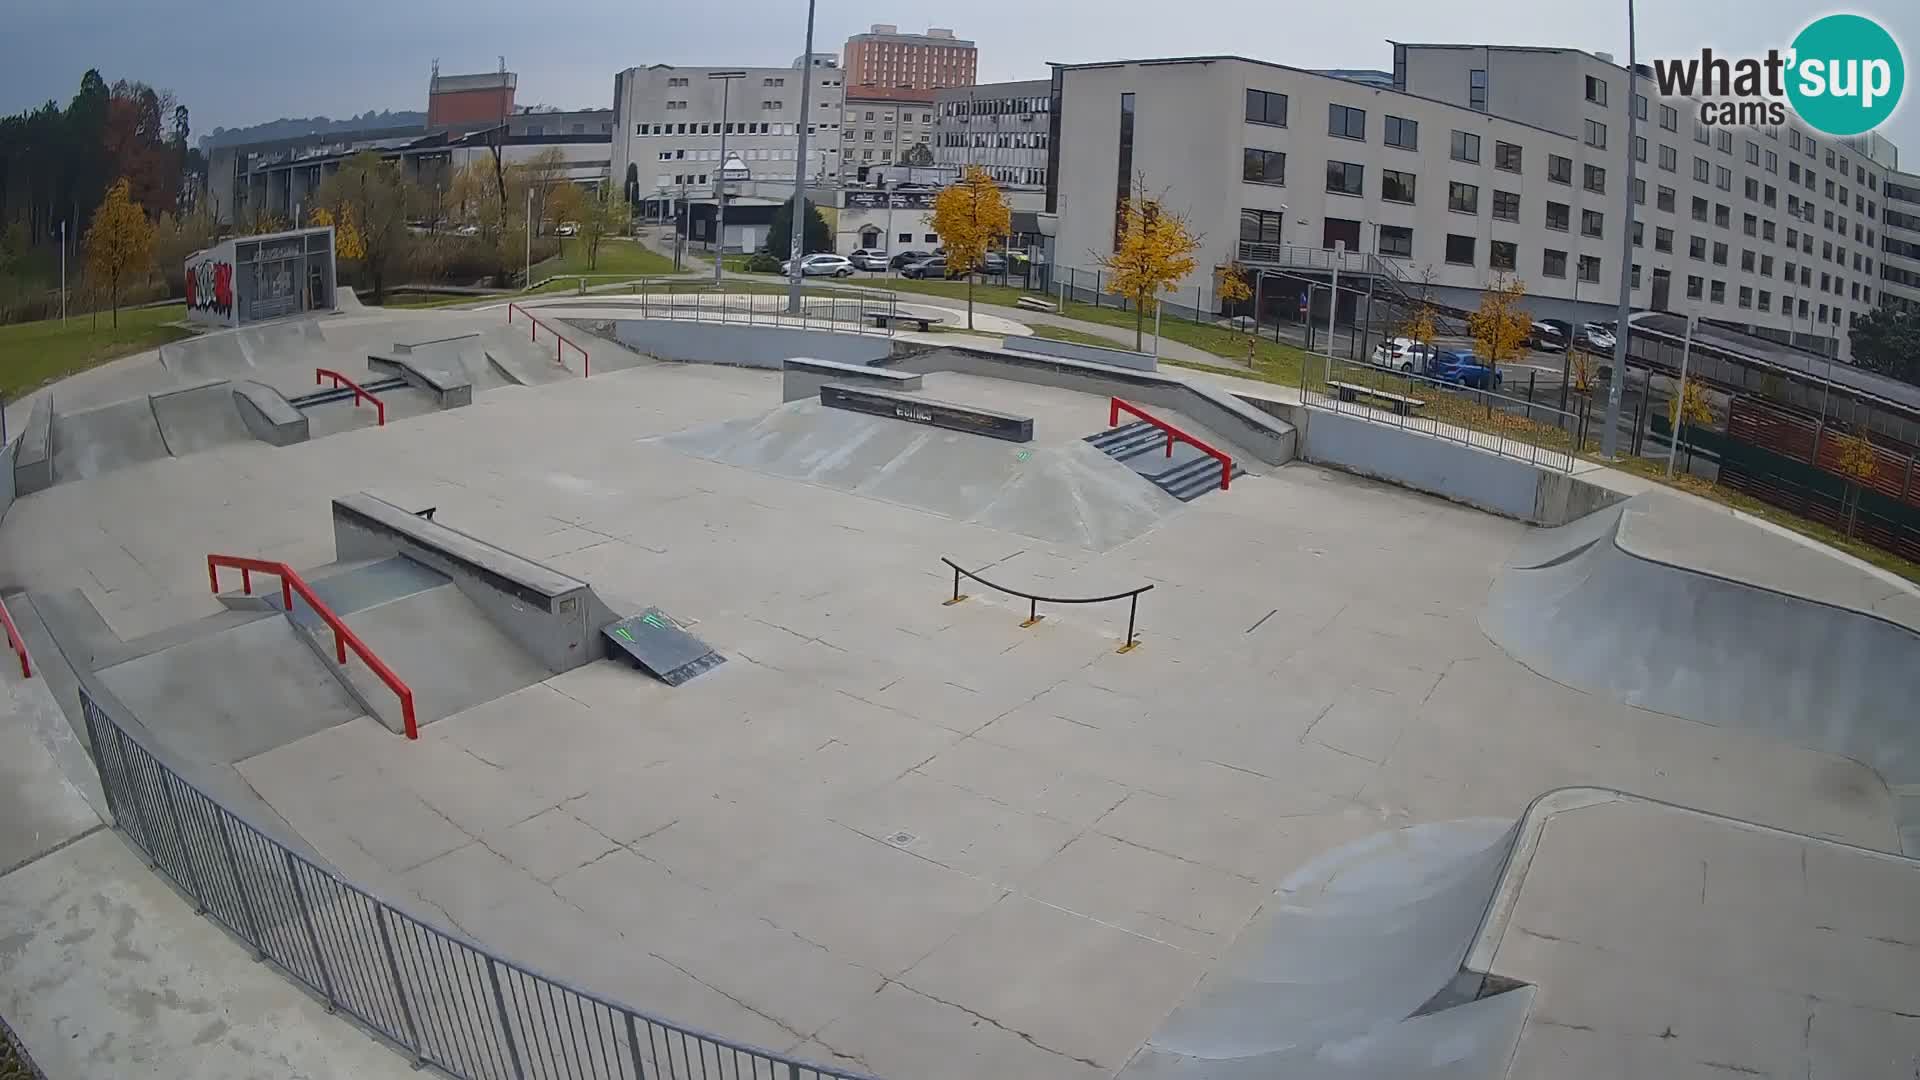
466,100
883,56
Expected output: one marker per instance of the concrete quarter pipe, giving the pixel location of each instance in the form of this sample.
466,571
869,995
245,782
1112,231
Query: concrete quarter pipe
1599,606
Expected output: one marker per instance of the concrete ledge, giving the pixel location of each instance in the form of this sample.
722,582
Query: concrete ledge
556,618
450,390
6,477
268,415
918,410
1267,438
33,450
404,348
803,376
749,346
1073,350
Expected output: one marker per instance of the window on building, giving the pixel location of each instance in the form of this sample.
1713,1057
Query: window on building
1717,293
1723,215
1590,268
1506,156
1793,172
1592,222
1466,146
1696,286
1640,106
1723,140
1750,225
1264,107
1701,135
1345,177
1766,300
1594,179
1773,162
1396,186
1663,199
1702,169
1639,192
1559,216
1766,266
1662,239
1477,91
1753,152
1264,167
1403,133
1596,134
1503,255
1639,234
1396,240
1346,123
1751,189
1669,118
1636,277
1463,198
1559,169
1506,206
1596,90
1261,226
1770,196
1697,248
1747,259
1669,157
1460,249
1553,263
1699,209
1719,253
1640,148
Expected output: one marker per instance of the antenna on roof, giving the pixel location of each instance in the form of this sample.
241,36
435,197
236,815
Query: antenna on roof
503,65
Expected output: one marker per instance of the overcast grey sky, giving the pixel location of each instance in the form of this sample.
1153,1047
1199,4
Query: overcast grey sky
236,63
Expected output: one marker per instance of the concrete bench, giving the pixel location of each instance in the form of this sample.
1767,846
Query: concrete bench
1034,303
1401,404
884,319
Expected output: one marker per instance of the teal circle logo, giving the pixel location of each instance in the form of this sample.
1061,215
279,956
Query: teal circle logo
1846,74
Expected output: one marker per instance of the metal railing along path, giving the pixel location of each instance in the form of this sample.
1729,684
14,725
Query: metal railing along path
561,342
1034,600
1483,419
835,312
443,1000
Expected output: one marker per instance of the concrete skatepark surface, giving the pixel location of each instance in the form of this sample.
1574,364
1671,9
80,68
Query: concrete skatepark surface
919,840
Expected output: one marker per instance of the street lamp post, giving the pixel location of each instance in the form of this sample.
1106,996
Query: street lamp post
799,218
720,176
528,284
1610,438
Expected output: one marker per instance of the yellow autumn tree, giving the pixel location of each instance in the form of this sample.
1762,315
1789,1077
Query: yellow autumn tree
347,243
1153,252
971,217
1689,406
1855,459
1230,284
119,242
1500,327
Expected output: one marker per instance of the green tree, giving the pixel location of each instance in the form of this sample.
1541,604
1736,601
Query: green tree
602,214
1887,340
119,243
780,231
377,198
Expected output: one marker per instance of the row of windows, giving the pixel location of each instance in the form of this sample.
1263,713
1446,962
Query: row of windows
853,116
771,153
716,129
996,106
1349,178
1013,140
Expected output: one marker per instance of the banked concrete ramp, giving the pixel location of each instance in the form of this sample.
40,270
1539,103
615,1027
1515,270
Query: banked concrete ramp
1697,614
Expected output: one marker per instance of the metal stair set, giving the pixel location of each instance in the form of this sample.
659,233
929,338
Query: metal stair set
1186,475
345,393
1398,288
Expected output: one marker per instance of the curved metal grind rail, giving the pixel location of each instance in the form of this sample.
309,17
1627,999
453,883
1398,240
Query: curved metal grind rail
1034,600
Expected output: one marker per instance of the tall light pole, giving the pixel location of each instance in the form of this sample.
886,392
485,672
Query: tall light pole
720,175
1610,438
529,281
799,218
63,271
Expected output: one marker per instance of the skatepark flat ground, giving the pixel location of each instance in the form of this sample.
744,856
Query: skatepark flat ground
915,839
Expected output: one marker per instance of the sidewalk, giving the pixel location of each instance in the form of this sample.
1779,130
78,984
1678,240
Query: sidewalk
107,971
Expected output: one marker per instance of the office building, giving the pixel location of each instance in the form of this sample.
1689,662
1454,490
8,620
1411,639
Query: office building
464,100
1480,161
1001,127
883,56
881,126
1900,241
668,128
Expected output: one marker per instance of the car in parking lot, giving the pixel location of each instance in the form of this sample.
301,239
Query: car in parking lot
868,259
821,264
1597,337
933,267
1548,335
1463,369
904,259
1401,354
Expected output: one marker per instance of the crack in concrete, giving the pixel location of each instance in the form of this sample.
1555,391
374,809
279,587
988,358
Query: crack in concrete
768,1017
1176,858
984,1018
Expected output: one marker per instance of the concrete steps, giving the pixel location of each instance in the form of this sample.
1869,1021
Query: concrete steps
1186,474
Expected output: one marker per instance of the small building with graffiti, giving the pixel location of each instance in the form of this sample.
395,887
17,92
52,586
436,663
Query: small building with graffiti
249,279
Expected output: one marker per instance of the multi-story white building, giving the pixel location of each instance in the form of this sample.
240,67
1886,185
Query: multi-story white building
1001,127
1900,240
881,126
1480,161
667,127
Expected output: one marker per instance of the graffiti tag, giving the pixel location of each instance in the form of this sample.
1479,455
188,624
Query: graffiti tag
210,287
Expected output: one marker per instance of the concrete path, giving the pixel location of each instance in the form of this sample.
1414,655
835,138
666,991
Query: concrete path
104,970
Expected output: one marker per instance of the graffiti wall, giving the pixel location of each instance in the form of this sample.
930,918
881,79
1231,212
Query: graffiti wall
210,286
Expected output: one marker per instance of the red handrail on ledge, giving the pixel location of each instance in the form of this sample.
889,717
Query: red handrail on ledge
343,637
1226,463
560,349
15,642
341,380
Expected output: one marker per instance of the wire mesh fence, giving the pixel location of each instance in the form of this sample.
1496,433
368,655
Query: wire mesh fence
443,1000
836,310
1449,408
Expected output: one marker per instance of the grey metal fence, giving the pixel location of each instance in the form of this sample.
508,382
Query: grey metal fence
847,311
443,1000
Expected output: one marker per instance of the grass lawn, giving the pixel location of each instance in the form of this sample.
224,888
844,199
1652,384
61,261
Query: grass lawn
1078,337
617,256
12,1065
36,353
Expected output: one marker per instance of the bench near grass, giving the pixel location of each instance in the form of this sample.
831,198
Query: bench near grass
1402,404
1034,303
882,319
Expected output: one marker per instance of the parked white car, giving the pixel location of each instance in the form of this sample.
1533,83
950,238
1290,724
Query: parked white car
821,264
1402,354
1599,338
868,259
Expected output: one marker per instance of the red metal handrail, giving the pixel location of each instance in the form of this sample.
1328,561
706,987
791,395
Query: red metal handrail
15,642
340,380
1116,406
560,349
343,637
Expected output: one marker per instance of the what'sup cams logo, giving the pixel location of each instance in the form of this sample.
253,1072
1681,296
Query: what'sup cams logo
1843,75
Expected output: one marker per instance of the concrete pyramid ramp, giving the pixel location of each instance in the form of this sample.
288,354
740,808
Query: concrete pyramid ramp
199,418
1603,607
1345,972
1067,492
104,439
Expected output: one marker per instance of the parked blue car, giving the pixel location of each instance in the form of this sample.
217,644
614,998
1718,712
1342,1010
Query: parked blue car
1463,369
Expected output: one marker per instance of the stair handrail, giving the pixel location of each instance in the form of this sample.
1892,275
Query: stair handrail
560,350
343,636
16,642
339,380
1116,406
